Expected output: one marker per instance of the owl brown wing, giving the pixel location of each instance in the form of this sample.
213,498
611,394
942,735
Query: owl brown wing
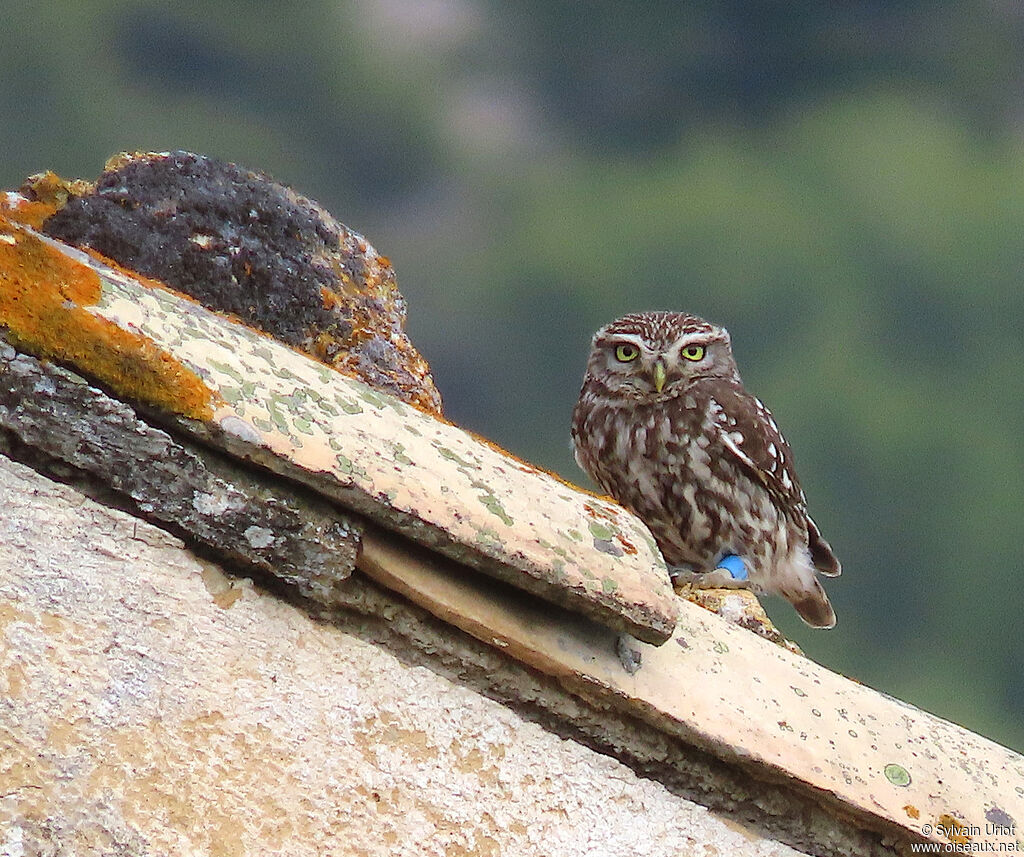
747,430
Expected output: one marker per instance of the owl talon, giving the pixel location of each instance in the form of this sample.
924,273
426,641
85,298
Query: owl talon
730,573
681,575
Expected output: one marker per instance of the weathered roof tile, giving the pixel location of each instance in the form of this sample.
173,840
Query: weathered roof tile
409,471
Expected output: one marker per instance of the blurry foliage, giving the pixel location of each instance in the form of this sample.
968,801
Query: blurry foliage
634,76
842,186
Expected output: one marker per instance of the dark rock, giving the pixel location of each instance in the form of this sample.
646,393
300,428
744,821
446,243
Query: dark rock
241,243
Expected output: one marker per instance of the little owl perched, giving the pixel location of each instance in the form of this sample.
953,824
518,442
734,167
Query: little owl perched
664,425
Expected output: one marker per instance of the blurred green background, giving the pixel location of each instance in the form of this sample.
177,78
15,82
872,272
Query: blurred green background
842,185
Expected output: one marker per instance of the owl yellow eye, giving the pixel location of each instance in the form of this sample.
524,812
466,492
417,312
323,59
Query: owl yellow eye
693,352
625,353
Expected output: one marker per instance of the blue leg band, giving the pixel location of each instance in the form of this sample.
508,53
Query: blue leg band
734,565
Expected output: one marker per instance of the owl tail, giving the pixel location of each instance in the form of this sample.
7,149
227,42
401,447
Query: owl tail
813,606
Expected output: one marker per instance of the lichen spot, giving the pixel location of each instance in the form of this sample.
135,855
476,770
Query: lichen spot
233,425
44,297
1000,817
627,545
954,829
607,546
40,196
493,505
897,775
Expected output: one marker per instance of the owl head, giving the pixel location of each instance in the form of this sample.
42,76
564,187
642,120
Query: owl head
658,355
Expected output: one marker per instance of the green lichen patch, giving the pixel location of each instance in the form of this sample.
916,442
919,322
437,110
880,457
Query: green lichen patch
451,455
348,406
398,454
227,369
303,426
372,398
347,466
493,505
488,539
897,775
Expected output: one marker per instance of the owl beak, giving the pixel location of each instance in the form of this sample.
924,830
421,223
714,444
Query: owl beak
659,375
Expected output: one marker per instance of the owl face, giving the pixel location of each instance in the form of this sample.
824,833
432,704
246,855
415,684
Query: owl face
655,356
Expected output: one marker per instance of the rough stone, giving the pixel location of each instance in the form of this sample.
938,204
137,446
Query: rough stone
259,522
739,606
241,243
143,712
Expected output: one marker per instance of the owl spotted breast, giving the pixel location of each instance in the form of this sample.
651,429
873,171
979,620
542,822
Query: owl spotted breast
664,425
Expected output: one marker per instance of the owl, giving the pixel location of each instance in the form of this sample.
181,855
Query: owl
665,426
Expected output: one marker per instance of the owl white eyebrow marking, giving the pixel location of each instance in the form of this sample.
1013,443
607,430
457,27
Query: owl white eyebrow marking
690,338
630,338
699,337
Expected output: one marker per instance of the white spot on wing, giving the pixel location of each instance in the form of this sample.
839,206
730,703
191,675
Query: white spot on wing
729,443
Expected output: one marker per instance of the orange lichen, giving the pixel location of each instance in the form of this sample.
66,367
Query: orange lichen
953,829
596,512
627,546
330,299
43,300
43,194
912,811
30,213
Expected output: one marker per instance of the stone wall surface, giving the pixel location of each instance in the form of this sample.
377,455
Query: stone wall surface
151,705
